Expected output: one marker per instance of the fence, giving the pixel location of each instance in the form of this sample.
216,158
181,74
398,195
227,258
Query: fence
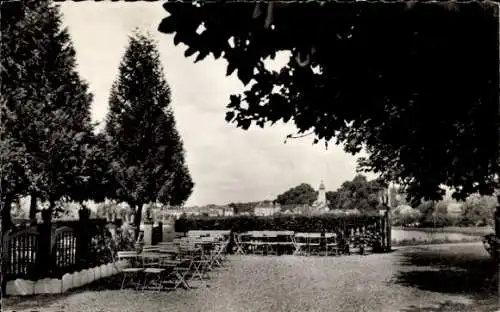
49,250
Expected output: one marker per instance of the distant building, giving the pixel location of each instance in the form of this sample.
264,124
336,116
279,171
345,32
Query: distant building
265,209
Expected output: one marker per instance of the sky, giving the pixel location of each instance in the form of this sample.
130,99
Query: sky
227,164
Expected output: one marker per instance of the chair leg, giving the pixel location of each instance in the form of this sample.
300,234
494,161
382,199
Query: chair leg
123,280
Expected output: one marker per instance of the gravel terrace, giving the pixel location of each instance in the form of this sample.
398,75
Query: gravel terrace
455,277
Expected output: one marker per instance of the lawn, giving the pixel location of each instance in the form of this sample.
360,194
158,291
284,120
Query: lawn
469,230
421,236
412,279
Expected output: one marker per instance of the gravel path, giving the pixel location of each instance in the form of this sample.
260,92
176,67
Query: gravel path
430,278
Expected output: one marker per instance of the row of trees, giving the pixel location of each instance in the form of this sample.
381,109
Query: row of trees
360,193
476,210
50,149
363,194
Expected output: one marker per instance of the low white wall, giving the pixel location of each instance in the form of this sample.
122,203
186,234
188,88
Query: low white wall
21,287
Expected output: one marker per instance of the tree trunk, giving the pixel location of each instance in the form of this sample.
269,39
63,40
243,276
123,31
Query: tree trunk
137,219
496,247
33,208
6,225
6,215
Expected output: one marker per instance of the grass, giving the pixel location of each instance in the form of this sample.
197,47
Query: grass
422,236
415,242
481,231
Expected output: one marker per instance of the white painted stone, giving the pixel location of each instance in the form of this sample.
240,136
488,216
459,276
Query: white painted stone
77,279
91,275
20,287
54,286
103,271
67,282
108,270
48,286
97,273
84,277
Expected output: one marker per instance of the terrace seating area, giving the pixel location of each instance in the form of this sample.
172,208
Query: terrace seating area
306,244
170,265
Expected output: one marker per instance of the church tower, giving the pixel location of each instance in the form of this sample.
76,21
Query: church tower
321,193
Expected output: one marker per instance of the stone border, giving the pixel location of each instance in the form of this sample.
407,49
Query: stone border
21,287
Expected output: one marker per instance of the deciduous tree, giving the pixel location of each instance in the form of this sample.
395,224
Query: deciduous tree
303,194
358,194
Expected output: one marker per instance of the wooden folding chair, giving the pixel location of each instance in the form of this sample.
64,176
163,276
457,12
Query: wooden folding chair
153,272
331,244
132,273
299,242
238,244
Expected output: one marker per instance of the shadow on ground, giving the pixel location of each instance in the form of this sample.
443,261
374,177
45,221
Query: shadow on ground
447,306
467,271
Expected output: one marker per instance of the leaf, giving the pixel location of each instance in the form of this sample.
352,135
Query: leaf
245,74
245,124
177,39
231,67
201,56
229,116
168,25
190,51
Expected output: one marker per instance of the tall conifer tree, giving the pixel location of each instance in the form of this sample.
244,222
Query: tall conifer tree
147,151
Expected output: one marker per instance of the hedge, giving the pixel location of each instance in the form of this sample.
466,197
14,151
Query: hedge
295,223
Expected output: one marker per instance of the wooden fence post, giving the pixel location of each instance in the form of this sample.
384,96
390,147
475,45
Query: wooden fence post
83,239
388,229
44,252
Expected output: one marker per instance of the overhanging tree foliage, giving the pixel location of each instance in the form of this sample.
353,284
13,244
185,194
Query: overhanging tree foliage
415,84
143,143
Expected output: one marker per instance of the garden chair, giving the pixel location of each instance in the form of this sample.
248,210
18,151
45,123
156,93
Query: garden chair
300,242
152,270
130,274
313,243
331,244
238,244
194,251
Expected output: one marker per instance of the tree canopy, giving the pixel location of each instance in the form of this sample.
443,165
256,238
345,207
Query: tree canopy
46,118
358,194
303,194
415,84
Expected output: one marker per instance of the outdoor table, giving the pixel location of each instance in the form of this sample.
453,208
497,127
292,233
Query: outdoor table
266,240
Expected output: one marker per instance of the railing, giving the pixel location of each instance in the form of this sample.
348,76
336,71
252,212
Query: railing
47,251
64,247
19,253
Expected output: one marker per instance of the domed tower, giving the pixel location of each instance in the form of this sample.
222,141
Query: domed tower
321,193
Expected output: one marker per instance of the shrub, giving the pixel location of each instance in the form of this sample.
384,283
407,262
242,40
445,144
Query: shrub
239,224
